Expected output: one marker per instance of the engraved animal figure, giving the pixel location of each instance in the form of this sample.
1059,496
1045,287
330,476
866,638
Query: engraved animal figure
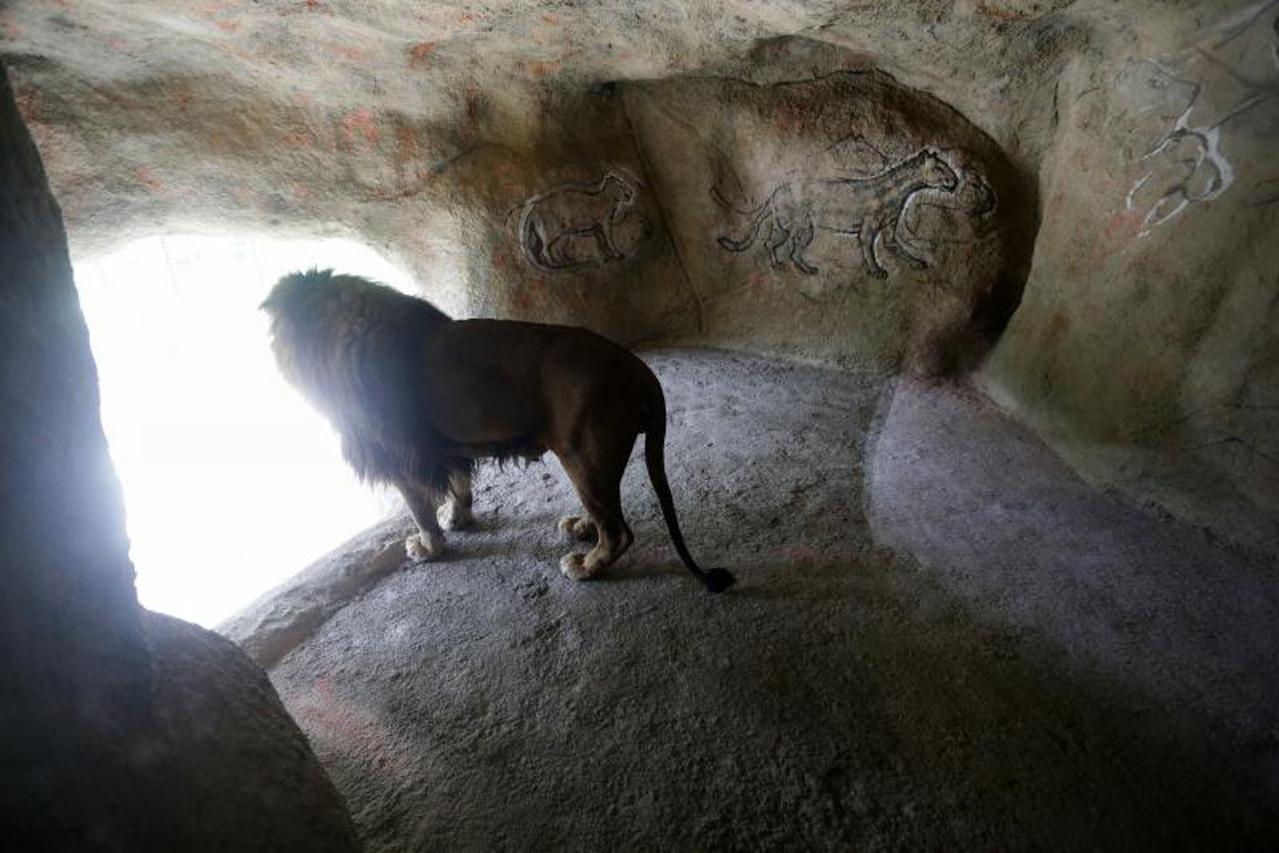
550,220
863,207
1189,170
418,398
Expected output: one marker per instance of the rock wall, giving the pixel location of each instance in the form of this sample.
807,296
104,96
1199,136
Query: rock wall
119,729
842,217
533,189
1146,347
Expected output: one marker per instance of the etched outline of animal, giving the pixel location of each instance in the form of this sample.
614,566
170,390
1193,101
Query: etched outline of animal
575,210
419,398
796,209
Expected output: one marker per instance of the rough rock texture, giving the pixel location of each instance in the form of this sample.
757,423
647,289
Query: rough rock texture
1147,345
119,730
277,621
839,697
525,189
845,218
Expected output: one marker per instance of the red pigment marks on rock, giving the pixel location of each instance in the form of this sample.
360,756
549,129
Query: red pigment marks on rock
419,53
315,6
114,97
353,54
998,13
407,145
227,25
148,179
790,119
467,18
551,19
360,122
212,10
29,108
298,137
1056,327
28,102
1117,232
9,30
473,97
116,43
541,69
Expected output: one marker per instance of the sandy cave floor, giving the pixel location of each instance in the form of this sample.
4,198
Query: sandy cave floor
939,637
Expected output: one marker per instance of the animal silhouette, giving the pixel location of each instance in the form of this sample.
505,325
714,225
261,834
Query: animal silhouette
862,207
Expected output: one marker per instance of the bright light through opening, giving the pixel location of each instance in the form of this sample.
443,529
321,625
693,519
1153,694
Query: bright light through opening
232,483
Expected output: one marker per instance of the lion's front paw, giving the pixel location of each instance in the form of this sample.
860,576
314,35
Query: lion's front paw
574,566
578,527
423,547
454,517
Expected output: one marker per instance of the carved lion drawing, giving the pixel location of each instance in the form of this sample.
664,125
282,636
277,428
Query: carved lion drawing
550,220
418,398
862,207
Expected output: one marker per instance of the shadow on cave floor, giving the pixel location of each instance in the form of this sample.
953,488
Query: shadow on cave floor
842,694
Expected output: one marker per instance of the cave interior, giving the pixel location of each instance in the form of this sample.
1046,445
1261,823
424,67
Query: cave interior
967,318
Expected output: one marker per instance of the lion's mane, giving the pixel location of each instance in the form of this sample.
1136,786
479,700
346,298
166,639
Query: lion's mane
355,349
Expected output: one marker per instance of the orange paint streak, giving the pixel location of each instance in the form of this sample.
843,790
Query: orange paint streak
360,121
298,138
148,179
542,69
1004,16
1118,232
354,54
419,53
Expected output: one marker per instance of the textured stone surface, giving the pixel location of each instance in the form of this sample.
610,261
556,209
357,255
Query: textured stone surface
223,765
839,697
119,730
276,622
539,188
846,218
1147,345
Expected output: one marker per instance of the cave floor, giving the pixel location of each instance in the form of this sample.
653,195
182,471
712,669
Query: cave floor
940,637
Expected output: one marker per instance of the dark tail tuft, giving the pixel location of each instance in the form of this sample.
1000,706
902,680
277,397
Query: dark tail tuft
718,580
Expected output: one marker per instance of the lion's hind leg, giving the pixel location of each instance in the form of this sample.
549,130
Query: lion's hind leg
598,479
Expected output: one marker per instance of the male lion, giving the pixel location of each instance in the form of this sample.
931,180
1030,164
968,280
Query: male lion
418,398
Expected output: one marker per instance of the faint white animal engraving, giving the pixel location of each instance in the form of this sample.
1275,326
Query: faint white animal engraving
552,221
1185,167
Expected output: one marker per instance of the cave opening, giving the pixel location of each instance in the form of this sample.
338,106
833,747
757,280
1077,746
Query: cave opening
231,481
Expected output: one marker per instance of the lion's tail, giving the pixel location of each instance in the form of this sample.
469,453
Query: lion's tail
716,580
